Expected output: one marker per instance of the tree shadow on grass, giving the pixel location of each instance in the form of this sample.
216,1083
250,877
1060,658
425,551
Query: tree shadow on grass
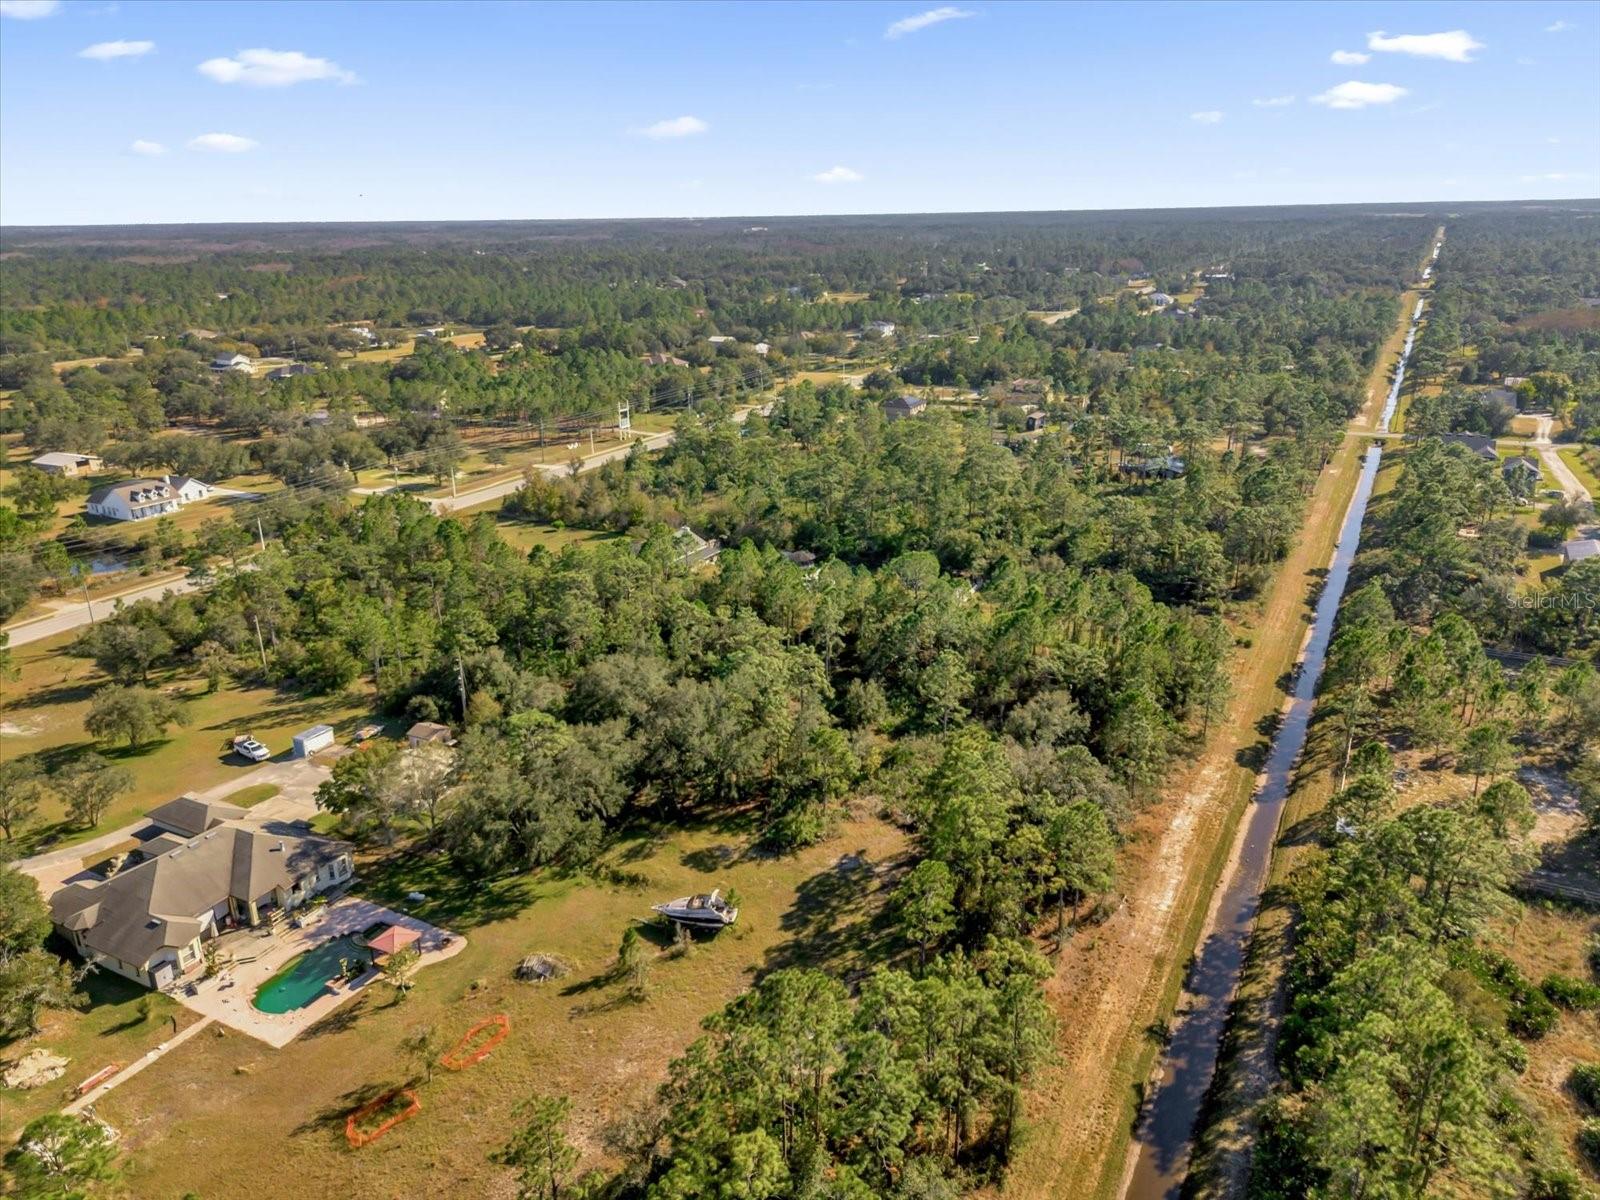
332,1118
342,1019
837,921
454,900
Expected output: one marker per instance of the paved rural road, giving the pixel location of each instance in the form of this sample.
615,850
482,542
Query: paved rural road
71,616
498,491
1569,482
76,613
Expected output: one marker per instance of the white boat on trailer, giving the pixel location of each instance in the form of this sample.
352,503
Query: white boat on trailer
708,911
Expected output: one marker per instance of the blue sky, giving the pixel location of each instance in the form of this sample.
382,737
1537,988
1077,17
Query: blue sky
115,111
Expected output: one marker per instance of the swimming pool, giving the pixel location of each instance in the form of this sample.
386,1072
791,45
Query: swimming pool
304,978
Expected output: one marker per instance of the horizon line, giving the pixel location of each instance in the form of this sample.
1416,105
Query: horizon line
1018,212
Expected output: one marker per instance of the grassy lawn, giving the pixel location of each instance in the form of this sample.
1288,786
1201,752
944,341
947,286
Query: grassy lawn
1579,461
580,1036
114,1028
43,710
247,797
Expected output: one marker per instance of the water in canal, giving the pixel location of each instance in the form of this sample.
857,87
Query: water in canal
1168,1125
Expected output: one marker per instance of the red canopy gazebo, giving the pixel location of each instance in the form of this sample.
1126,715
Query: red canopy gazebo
393,939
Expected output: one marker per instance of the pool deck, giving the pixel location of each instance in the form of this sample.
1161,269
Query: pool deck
227,996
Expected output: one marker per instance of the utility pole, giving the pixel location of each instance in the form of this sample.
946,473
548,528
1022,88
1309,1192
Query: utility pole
452,483
260,645
260,533
88,603
461,682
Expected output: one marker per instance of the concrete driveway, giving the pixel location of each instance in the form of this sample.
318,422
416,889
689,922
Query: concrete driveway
296,778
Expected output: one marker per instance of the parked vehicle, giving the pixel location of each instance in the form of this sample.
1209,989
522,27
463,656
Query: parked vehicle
246,746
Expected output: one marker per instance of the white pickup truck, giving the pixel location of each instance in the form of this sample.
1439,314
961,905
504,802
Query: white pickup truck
246,746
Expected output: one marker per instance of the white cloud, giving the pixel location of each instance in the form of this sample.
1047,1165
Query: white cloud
1273,101
1349,58
29,10
1356,94
273,68
149,149
109,50
675,127
1558,27
1455,46
934,16
1210,117
223,143
839,175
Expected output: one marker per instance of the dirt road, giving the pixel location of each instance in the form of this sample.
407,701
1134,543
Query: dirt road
1115,982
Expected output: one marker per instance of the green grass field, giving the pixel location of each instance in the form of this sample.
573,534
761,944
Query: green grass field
41,717
226,1115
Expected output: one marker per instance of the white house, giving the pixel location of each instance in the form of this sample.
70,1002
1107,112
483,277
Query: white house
134,500
61,462
718,339
188,488
232,362
761,348
881,328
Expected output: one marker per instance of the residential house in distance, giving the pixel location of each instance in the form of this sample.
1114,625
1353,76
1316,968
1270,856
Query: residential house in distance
1148,462
233,362
1580,550
1025,393
762,348
660,359
62,462
290,370
1521,474
135,500
1033,420
149,922
898,408
1480,444
694,549
881,328
188,488
424,732
720,339
1160,299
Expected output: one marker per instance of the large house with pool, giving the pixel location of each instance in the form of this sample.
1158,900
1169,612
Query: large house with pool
204,872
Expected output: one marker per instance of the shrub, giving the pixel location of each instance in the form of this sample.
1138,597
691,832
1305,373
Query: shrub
1585,1084
1571,993
1589,1139
1555,1183
1532,1015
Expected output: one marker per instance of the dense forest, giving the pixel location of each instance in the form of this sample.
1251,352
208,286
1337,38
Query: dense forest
1409,1026
1001,639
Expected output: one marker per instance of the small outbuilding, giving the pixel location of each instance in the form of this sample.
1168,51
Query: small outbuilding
1579,550
307,743
61,462
424,732
899,408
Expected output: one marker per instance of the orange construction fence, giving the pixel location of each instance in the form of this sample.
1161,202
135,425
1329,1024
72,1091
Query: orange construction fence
358,1138
460,1056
